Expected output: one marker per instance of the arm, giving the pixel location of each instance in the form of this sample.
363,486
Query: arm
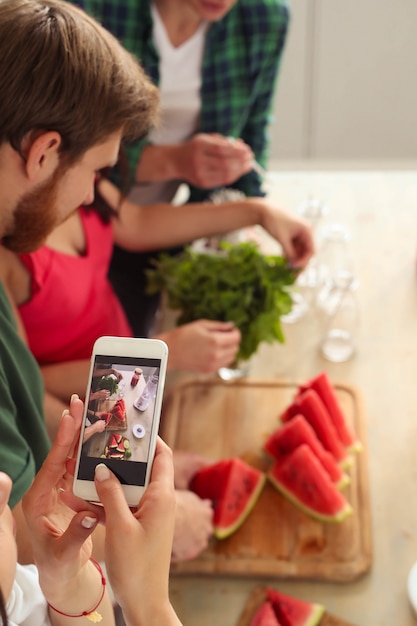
63,379
160,226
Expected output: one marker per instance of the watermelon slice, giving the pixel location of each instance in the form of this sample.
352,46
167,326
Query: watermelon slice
113,442
234,487
310,405
116,455
295,432
119,410
265,616
301,478
324,388
294,612
118,447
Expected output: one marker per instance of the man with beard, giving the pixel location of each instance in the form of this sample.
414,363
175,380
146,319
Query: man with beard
69,94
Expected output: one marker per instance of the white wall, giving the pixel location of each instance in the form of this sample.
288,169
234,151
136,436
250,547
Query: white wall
348,82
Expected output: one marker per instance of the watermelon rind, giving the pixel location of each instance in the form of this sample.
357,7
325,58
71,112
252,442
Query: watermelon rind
356,447
336,518
223,532
317,613
305,471
343,482
347,462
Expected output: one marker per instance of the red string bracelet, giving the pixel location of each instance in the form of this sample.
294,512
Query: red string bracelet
92,614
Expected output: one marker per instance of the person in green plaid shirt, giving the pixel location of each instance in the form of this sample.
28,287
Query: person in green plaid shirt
217,61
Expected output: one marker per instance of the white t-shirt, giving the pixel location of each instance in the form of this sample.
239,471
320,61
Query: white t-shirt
27,605
180,99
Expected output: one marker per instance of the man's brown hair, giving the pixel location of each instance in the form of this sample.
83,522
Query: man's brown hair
61,71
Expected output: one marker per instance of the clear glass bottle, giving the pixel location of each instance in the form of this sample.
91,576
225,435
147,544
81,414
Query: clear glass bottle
339,314
334,259
148,393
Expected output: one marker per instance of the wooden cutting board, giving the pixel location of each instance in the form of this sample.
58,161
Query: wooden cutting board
258,596
223,419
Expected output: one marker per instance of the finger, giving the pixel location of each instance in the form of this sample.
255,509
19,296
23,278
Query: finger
215,325
77,532
163,467
76,409
78,505
231,339
5,489
111,495
54,466
303,249
222,148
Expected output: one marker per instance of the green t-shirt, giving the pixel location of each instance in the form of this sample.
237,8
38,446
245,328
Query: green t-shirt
24,441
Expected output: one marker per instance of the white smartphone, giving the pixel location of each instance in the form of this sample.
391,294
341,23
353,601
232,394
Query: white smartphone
121,415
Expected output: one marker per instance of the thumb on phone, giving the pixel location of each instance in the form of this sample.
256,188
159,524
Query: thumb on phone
110,493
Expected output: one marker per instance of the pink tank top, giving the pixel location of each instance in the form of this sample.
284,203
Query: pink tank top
72,300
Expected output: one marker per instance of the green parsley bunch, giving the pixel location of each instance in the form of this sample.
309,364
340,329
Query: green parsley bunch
238,284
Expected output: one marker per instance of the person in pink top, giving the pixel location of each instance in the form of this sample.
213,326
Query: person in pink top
65,302
72,302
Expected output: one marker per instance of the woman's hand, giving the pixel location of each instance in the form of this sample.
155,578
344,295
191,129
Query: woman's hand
138,543
202,346
293,233
101,394
61,539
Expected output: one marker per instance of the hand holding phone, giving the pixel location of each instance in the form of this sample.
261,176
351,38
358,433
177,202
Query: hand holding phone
132,372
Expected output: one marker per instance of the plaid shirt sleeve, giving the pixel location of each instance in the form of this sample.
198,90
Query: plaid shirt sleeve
241,61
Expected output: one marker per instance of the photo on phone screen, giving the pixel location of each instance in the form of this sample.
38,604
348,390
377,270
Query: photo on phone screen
121,423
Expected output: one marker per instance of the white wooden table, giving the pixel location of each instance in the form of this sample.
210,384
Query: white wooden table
380,209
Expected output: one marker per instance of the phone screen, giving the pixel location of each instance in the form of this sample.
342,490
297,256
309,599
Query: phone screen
120,417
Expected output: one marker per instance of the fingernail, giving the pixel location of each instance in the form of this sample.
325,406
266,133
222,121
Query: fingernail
65,412
75,396
88,522
102,472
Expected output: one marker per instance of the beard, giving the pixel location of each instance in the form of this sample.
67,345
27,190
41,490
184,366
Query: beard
35,216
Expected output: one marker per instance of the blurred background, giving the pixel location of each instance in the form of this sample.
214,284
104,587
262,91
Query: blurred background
347,92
